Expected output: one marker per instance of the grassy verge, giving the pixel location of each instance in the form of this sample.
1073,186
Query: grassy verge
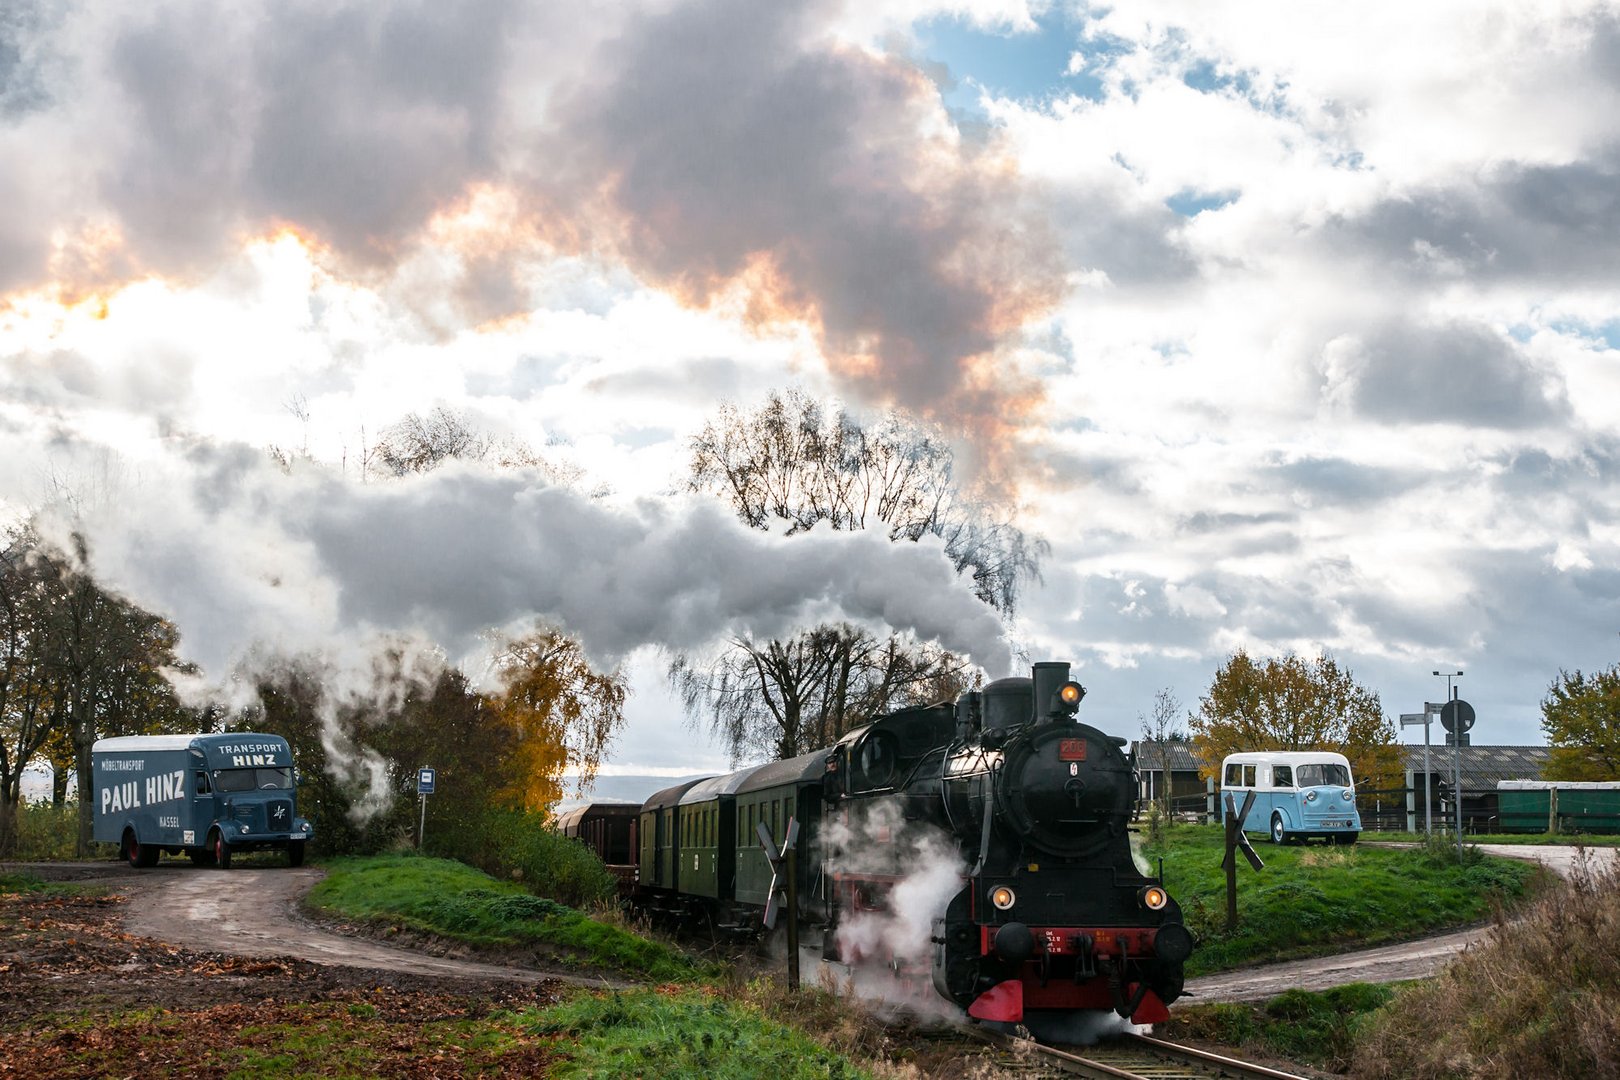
672,1036
28,883
683,1034
1319,1029
1538,998
454,901
1312,900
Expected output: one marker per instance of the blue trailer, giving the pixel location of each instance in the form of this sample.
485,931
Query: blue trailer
210,796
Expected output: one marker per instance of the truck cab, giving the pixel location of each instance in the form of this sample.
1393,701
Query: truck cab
210,796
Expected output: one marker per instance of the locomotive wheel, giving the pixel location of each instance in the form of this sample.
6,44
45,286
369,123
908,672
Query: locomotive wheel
1279,835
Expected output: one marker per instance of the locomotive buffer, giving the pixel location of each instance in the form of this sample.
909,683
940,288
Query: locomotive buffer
784,887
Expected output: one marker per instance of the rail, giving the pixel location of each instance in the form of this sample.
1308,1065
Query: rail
1135,1057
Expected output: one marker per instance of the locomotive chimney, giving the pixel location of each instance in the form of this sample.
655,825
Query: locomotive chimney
1049,679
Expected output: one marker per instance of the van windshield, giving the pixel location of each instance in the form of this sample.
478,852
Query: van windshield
252,779
1323,775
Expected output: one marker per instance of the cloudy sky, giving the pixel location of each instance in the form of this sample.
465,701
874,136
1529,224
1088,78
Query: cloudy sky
1291,326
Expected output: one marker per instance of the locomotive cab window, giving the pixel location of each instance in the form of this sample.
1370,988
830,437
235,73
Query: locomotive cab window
876,759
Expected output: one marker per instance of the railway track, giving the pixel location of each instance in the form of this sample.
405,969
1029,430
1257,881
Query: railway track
1132,1057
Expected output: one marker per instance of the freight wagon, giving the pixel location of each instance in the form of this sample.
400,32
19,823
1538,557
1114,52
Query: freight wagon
210,796
1568,806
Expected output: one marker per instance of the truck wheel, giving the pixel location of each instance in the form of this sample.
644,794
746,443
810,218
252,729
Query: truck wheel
295,853
1278,833
141,856
222,851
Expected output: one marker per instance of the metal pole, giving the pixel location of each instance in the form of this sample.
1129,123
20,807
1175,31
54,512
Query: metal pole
422,824
1428,778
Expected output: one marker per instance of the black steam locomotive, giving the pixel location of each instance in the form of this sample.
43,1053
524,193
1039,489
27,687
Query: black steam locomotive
979,846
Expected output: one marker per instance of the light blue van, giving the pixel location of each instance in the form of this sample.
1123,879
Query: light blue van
1297,794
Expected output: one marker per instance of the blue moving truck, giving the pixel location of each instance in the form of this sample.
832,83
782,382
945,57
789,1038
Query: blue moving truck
209,796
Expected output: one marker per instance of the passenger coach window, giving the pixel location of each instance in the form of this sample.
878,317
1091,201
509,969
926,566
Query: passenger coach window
1282,776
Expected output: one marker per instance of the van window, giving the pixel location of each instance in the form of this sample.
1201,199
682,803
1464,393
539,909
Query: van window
1282,776
1248,776
1234,774
1323,775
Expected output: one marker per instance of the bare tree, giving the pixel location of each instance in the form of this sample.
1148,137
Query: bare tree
1158,734
794,464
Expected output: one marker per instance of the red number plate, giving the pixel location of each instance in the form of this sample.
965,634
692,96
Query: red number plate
1072,750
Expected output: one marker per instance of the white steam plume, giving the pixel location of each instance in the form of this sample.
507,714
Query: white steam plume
896,938
245,557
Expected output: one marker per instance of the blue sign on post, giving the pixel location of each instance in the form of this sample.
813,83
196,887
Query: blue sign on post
424,781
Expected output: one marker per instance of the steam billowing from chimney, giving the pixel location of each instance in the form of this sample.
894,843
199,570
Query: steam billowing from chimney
257,566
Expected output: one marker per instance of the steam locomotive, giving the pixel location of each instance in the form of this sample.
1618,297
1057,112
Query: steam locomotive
978,846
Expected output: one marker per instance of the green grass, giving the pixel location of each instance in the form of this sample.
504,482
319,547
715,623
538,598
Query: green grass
455,901
678,1036
1312,900
1317,1029
689,1034
28,883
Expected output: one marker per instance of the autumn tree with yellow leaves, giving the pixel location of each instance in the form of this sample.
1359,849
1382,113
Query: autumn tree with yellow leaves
1291,703
561,711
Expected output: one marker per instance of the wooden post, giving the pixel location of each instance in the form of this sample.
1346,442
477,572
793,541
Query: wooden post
793,918
1236,841
1232,826
1552,810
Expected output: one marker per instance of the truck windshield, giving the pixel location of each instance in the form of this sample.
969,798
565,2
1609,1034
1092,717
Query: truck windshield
251,779
1323,775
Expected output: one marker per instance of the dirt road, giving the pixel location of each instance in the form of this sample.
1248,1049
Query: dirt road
256,913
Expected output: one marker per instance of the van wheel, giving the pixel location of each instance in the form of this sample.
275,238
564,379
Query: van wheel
295,853
222,851
1278,834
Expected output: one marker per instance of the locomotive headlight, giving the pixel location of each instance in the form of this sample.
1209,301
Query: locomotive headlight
1153,898
1002,897
1069,694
